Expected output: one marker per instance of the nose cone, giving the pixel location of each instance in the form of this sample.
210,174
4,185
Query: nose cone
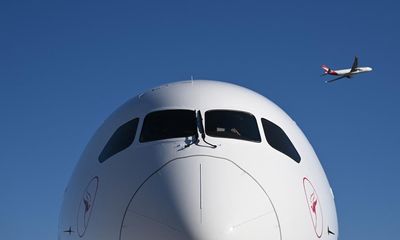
200,197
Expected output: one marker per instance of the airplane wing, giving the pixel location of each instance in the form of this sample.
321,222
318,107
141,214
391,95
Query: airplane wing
355,64
335,79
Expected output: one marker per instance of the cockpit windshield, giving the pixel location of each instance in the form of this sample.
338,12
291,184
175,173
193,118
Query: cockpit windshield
232,124
168,124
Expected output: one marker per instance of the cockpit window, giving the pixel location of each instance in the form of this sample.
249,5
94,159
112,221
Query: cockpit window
278,139
120,140
232,124
168,124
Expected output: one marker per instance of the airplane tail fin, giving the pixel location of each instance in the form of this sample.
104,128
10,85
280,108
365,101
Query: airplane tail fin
326,69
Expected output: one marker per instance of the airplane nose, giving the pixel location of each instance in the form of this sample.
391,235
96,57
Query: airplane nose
200,197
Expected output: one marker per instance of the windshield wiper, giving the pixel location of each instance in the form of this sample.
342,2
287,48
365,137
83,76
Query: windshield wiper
201,129
200,126
195,140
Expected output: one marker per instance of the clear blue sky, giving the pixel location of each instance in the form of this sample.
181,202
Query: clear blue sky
66,65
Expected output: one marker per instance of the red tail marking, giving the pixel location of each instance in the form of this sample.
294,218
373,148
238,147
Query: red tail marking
326,69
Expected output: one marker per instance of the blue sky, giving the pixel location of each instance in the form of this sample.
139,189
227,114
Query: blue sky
66,65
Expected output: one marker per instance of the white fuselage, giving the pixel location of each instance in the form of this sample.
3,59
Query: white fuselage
347,72
181,189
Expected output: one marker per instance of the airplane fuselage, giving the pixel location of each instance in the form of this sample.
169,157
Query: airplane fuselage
348,72
198,160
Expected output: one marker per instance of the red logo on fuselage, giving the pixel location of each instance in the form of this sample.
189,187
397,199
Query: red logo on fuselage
86,205
314,207
314,202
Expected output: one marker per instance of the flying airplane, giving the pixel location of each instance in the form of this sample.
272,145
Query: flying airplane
342,73
198,160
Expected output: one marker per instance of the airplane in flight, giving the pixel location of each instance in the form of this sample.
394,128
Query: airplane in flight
342,73
198,160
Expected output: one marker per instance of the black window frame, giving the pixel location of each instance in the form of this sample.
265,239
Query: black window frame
121,139
255,139
280,143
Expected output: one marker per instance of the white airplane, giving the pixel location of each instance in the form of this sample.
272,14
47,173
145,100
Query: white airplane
201,160
342,73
